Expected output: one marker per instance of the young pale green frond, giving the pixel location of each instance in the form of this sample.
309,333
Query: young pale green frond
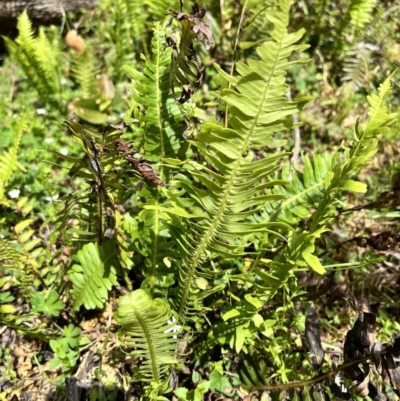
23,255
9,159
147,328
95,274
257,110
9,256
361,12
84,71
38,58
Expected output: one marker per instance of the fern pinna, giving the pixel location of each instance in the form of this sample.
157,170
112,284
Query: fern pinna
229,187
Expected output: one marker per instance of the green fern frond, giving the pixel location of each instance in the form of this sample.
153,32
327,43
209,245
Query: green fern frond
9,159
162,119
158,8
84,71
257,110
23,254
161,124
303,191
361,12
95,274
355,68
300,251
38,58
125,28
147,327
9,256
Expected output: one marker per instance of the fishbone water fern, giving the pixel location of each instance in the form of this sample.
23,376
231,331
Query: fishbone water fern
178,253
161,130
361,12
257,110
304,189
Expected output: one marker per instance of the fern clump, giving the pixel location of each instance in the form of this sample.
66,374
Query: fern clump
175,251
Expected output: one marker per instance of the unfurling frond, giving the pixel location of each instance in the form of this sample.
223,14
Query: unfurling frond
148,328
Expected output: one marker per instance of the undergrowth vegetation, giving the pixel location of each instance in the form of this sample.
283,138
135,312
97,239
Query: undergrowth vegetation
202,203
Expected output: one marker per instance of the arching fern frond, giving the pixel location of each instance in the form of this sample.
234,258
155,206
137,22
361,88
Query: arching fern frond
9,159
95,274
147,328
229,192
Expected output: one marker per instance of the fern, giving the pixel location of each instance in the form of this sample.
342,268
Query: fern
361,12
161,125
94,276
303,191
159,8
300,251
9,256
186,71
39,60
9,159
84,71
356,68
147,328
124,28
90,207
22,256
257,110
